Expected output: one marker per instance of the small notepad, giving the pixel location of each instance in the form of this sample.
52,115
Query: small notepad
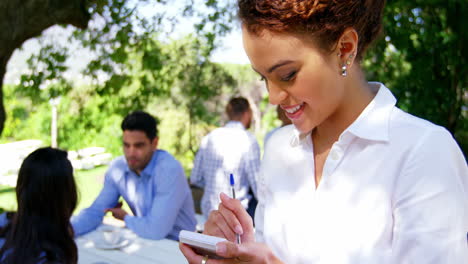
200,241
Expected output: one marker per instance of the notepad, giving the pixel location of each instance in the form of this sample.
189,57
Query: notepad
203,244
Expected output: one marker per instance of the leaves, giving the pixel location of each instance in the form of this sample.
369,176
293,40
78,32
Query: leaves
139,64
424,60
46,79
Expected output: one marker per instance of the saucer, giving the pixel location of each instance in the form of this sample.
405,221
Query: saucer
102,244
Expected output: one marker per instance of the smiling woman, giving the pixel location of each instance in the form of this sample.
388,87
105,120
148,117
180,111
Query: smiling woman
354,179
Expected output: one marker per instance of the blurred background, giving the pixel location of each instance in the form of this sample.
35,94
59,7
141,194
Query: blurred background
72,70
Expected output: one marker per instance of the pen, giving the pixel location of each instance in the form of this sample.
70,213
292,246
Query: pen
231,178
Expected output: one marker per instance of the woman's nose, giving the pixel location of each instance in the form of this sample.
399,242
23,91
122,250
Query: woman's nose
276,95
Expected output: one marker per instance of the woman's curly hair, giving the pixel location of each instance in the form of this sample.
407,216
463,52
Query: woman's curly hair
324,21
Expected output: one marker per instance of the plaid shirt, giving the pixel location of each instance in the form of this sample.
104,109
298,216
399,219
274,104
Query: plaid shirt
226,150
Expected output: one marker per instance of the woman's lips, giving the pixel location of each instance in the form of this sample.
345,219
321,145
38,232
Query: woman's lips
294,111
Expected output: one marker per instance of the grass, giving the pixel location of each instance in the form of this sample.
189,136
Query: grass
89,185
7,198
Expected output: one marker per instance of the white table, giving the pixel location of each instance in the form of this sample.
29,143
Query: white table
139,250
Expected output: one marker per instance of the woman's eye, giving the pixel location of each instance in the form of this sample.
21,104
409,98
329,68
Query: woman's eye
263,79
289,76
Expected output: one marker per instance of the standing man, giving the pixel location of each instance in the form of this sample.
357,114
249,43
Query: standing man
226,150
150,180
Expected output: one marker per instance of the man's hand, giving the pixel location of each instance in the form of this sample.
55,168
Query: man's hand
117,211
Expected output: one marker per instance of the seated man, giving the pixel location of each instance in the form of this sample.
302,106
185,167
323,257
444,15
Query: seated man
150,180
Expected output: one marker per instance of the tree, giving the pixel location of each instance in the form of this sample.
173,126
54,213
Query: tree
118,27
22,20
423,58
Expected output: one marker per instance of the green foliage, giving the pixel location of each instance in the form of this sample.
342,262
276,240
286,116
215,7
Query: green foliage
26,119
171,80
46,79
244,75
85,125
423,58
137,66
7,198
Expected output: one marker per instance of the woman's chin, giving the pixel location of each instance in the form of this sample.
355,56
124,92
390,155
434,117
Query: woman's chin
303,128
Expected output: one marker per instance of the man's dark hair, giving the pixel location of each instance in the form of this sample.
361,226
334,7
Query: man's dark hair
141,121
236,107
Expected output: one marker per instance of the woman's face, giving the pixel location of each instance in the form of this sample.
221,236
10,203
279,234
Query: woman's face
302,79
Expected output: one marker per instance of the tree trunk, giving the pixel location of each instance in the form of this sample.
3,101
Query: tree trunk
3,63
21,20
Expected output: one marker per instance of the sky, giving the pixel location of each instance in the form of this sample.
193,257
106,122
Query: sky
230,51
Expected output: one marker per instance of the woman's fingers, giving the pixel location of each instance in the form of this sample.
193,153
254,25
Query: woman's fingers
217,226
189,254
242,217
227,250
213,230
245,253
222,220
229,220
233,253
194,258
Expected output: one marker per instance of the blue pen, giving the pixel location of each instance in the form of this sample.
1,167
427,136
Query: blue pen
231,178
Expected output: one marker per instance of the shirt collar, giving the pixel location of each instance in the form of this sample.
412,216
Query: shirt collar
234,124
372,123
298,137
147,171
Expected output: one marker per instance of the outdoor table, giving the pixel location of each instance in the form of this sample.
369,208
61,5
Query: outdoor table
137,251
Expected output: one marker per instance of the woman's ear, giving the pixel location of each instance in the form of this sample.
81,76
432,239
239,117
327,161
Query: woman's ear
347,47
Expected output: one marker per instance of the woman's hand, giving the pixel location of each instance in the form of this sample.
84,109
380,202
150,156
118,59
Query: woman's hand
230,219
251,252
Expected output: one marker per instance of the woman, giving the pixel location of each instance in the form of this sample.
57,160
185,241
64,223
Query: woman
355,180
40,231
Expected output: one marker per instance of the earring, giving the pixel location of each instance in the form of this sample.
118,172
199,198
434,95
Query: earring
344,70
348,61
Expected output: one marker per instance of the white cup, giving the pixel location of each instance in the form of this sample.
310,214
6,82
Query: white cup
111,235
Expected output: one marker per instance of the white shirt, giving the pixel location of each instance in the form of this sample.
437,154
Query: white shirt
394,190
226,150
268,135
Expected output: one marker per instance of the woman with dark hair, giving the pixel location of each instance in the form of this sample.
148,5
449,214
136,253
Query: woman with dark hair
40,231
355,180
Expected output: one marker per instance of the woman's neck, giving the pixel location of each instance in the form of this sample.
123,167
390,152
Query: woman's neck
356,98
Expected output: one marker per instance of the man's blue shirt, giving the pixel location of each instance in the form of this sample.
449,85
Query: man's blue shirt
3,222
160,199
